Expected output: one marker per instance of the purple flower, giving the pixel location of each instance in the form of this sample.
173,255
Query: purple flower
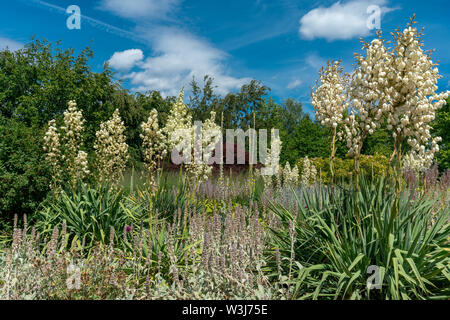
128,229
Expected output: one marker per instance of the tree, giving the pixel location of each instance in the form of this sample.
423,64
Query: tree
380,142
292,114
134,110
309,139
238,108
251,107
37,81
441,128
203,100
24,174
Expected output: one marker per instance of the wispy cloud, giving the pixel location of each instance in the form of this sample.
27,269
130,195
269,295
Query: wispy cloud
269,20
297,76
260,33
137,9
315,61
341,21
93,22
294,84
12,45
177,57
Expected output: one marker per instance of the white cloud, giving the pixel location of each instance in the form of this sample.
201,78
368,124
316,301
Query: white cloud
139,8
341,21
294,84
177,57
12,45
315,61
126,60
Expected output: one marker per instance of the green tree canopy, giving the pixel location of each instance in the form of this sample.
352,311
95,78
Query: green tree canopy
441,128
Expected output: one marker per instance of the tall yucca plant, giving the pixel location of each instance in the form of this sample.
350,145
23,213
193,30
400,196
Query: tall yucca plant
336,249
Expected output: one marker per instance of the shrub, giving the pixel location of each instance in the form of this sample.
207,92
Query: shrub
192,258
341,233
172,194
24,174
371,166
60,270
89,213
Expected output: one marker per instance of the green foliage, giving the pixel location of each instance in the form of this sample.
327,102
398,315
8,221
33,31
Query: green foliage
340,233
202,100
168,199
164,245
134,110
441,128
370,166
309,139
37,81
88,213
380,142
374,166
24,174
33,273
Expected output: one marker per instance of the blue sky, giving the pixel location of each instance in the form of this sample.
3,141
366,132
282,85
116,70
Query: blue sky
161,44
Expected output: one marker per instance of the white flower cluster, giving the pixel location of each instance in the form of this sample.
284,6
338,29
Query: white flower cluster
52,146
398,86
272,166
63,150
411,98
154,146
76,160
211,134
268,181
412,161
181,134
153,142
329,99
330,102
111,148
73,127
290,176
366,95
81,165
309,173
179,120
